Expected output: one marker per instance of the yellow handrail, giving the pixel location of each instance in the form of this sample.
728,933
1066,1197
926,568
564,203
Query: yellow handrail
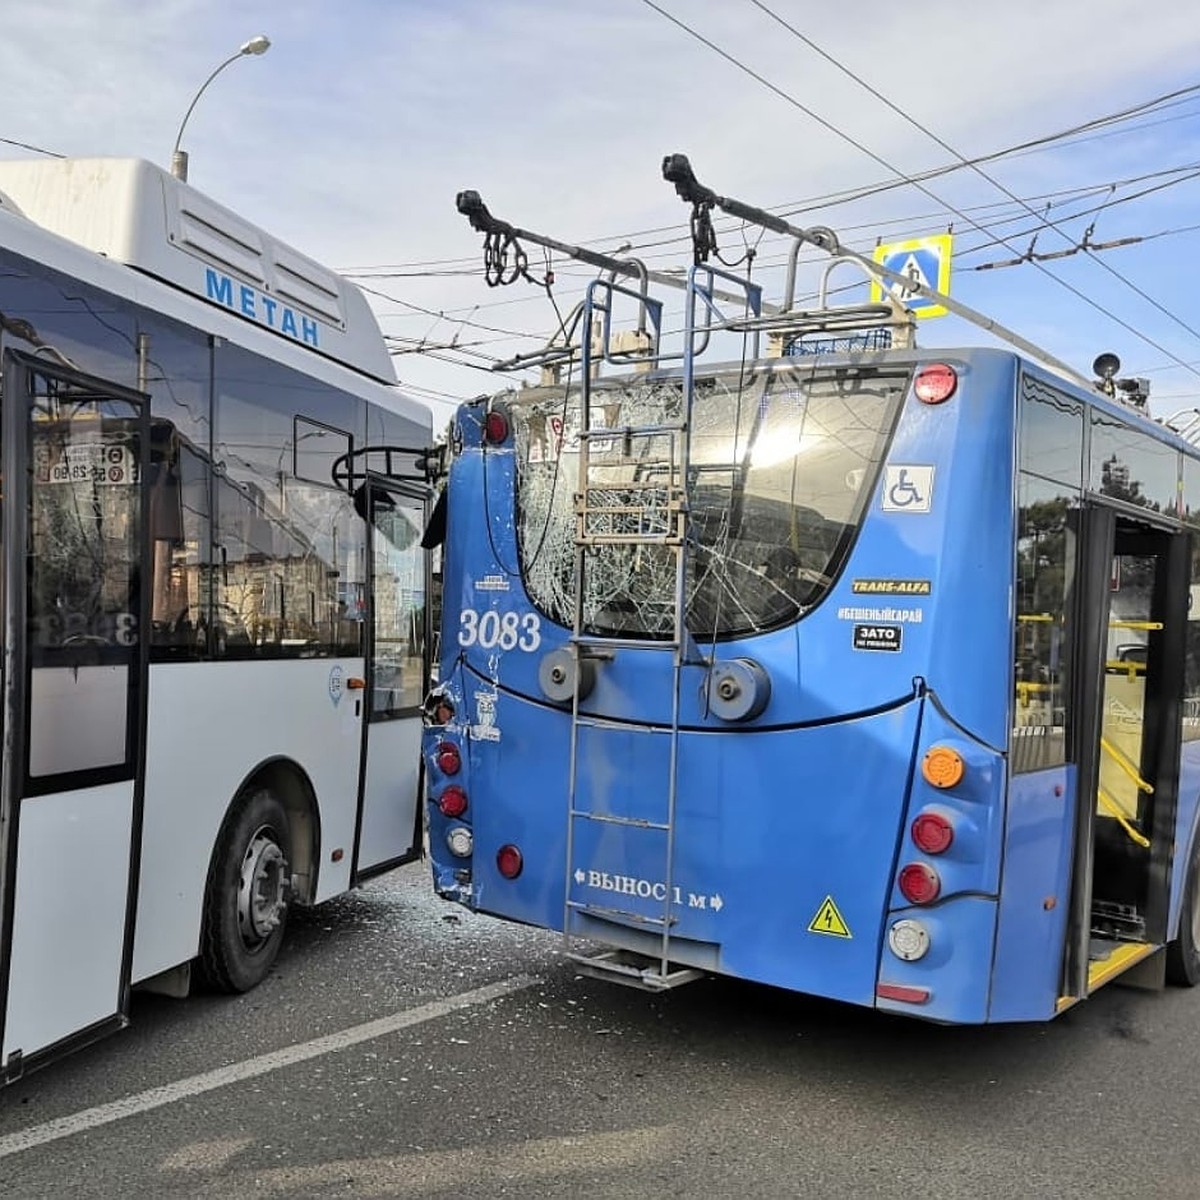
1115,809
1125,666
1126,765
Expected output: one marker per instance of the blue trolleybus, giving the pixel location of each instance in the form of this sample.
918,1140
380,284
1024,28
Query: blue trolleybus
872,673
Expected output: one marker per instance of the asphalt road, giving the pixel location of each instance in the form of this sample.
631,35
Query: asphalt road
552,1085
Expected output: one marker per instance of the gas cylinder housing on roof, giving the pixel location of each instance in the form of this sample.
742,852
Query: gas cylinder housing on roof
135,213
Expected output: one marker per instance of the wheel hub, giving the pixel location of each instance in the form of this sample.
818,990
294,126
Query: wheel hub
262,889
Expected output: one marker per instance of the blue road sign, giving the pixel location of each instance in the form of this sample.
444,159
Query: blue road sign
926,262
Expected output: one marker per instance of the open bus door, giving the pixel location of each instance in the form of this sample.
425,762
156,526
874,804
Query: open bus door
1133,588
75,453
399,591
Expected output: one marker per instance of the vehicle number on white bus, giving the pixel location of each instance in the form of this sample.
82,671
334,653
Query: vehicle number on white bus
492,630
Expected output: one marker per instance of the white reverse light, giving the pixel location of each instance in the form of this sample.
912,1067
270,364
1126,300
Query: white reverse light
908,940
460,841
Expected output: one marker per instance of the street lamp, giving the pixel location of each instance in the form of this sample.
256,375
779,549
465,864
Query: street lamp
179,159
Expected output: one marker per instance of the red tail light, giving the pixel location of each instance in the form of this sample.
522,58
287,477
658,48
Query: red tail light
449,760
495,427
453,802
935,383
932,833
509,861
919,883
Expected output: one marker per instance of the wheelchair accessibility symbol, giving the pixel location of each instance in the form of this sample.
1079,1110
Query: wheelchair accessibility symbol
908,489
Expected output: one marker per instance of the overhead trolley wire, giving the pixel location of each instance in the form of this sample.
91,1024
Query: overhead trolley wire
828,125
1001,209
1097,126
974,166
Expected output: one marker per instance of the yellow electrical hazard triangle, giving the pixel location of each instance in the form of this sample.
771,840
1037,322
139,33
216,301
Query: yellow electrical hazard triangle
829,920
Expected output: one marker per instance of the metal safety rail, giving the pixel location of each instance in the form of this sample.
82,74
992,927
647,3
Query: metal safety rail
505,262
677,170
423,465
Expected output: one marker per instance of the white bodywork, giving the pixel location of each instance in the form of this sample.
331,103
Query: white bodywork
72,875
135,213
389,799
210,725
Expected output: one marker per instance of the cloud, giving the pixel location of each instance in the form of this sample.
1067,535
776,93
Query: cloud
352,135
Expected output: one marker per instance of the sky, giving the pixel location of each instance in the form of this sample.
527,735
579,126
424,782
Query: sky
351,136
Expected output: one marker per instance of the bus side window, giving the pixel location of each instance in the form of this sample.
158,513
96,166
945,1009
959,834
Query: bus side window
399,602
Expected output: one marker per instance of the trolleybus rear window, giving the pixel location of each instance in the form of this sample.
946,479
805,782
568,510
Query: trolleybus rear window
781,465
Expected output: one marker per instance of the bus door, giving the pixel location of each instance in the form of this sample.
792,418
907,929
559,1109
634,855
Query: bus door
74,686
1133,589
397,676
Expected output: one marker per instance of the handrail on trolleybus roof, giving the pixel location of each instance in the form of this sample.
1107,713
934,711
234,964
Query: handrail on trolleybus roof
677,170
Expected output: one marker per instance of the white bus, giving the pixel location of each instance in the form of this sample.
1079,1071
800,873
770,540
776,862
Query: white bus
213,596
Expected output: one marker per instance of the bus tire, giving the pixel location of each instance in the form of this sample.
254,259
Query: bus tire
246,899
1183,954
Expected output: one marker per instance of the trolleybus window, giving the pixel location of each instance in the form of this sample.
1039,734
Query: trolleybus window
782,464
1191,678
1051,435
1045,560
1131,467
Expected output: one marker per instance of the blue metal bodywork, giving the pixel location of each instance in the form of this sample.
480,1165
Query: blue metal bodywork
812,800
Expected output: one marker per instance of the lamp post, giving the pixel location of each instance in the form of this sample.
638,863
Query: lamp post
179,159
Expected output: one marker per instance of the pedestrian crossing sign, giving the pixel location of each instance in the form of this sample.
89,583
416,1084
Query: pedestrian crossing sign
925,261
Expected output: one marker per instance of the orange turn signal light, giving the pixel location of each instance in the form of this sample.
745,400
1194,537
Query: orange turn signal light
943,767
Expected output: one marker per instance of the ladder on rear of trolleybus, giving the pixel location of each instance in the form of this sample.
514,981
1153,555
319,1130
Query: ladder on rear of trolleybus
632,499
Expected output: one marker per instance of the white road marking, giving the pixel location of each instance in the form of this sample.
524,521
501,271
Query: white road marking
195,1085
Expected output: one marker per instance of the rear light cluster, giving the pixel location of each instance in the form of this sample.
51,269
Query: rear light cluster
452,802
932,832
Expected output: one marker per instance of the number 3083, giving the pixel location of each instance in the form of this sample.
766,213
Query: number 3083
494,630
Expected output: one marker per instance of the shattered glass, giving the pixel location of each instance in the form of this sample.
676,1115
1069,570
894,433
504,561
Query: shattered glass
781,462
